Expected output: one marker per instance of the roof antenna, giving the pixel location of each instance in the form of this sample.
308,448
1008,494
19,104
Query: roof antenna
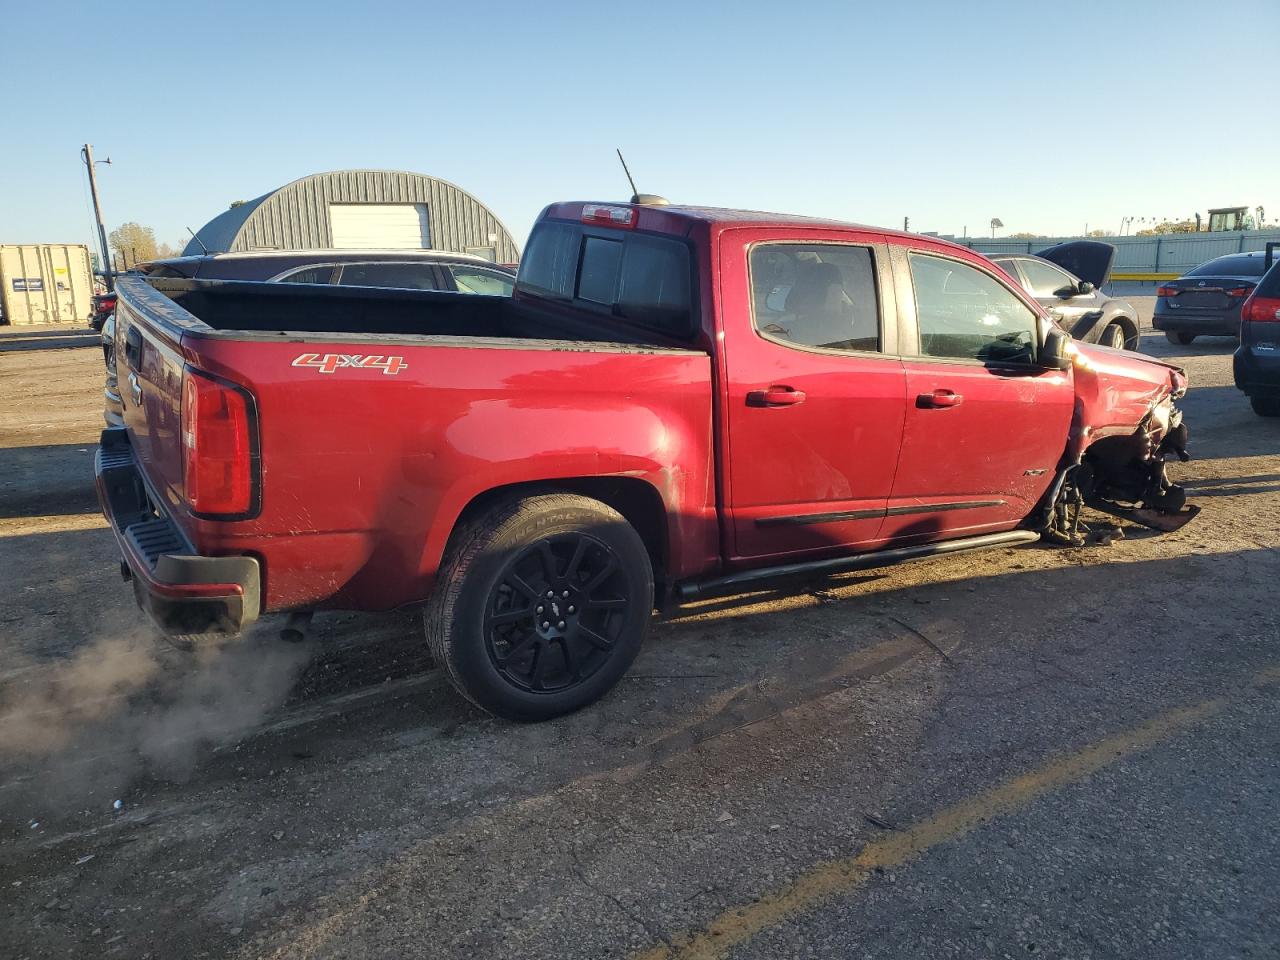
196,238
647,199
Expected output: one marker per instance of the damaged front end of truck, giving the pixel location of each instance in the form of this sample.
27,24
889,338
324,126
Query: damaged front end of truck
1125,431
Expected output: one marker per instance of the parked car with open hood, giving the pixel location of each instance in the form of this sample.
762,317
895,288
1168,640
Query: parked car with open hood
675,401
1206,301
1067,280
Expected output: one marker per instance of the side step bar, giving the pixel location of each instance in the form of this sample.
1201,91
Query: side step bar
861,561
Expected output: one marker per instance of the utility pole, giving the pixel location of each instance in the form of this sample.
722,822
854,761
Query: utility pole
906,221
86,154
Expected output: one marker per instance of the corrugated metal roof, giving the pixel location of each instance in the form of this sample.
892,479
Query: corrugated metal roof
296,216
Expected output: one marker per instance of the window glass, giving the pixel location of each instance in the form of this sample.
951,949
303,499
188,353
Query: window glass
310,275
1232,265
1010,266
816,294
967,314
1043,279
598,279
654,286
404,276
475,280
550,261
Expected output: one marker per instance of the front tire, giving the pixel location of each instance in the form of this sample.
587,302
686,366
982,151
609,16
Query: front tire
1114,336
1180,338
541,605
1265,406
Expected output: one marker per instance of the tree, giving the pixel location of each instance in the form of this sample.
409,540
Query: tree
1168,226
1024,236
1097,233
132,243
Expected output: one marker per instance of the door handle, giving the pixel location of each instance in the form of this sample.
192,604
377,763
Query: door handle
939,399
776,396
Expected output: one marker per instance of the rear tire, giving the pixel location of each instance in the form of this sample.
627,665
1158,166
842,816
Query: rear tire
1181,339
1265,406
541,605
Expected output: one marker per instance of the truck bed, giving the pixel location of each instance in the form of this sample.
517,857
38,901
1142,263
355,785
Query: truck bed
254,307
379,415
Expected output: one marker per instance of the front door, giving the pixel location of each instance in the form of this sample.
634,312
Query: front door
986,425
815,395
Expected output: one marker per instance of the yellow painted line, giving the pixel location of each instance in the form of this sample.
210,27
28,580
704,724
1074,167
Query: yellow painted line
63,523
1145,276
828,880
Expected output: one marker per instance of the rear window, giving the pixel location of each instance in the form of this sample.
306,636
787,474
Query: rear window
1234,265
638,277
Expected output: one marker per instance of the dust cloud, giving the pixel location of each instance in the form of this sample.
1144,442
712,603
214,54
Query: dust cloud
77,732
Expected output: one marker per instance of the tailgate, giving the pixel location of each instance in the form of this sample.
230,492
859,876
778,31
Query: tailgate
149,364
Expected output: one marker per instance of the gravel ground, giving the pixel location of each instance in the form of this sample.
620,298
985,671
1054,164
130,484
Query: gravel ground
1066,753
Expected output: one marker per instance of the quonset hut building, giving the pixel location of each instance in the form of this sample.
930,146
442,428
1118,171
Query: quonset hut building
360,210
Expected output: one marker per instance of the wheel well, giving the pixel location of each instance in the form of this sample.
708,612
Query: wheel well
637,500
1127,323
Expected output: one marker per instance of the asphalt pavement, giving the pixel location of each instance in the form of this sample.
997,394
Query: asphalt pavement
1021,753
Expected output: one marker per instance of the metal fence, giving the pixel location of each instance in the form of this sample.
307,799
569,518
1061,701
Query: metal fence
1146,258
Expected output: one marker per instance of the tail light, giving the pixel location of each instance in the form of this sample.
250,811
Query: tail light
1167,291
1239,292
217,455
1261,310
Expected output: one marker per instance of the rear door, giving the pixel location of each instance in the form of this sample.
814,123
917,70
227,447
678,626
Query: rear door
985,425
814,390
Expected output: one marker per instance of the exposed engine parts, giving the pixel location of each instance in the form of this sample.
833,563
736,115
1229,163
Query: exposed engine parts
1126,478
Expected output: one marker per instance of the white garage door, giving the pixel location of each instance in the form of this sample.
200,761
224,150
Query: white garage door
380,225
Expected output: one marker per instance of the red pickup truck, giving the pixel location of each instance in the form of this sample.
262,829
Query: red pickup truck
675,400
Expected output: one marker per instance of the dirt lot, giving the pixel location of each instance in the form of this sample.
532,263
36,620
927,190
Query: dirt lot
1034,752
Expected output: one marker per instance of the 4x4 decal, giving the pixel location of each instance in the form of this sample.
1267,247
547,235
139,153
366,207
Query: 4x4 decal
332,362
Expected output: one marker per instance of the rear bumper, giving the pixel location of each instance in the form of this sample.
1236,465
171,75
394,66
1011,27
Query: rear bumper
1207,325
180,590
1257,372
112,405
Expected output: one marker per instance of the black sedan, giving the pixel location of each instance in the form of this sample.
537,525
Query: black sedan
1206,301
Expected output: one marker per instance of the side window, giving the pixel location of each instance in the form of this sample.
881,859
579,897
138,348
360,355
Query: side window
969,315
1044,280
816,295
1011,268
309,275
404,276
473,280
550,260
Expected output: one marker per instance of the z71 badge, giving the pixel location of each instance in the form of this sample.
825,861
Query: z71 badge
332,362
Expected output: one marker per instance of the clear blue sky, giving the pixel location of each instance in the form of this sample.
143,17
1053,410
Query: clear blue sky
1047,116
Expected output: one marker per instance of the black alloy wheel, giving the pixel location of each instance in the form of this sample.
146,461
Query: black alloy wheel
556,612
541,604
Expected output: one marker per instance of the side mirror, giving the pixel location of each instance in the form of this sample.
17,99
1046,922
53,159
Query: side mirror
1085,286
1053,353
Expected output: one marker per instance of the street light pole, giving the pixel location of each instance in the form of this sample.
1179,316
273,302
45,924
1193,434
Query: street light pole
86,154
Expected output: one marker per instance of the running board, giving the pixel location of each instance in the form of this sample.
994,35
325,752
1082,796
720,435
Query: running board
861,561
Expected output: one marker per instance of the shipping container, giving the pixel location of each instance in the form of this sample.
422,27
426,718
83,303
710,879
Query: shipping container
45,283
